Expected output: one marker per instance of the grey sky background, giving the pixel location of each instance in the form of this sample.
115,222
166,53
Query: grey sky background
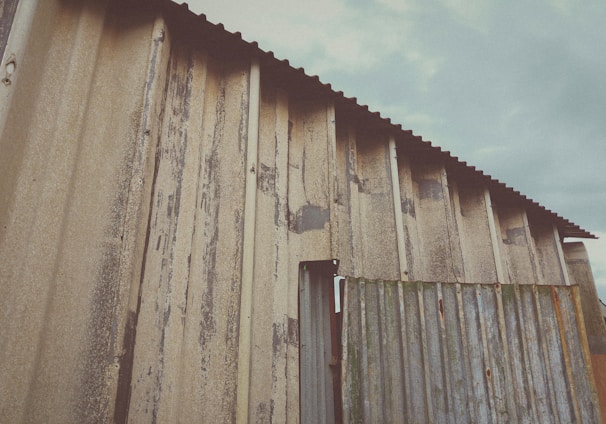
516,88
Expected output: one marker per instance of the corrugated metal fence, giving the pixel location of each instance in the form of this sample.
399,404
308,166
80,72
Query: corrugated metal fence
436,352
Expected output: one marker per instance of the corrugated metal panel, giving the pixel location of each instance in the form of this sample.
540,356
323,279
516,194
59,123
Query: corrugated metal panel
317,395
432,352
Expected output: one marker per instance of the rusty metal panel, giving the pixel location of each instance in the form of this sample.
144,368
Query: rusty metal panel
450,352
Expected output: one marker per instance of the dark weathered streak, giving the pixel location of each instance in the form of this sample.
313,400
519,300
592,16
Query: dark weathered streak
209,204
126,361
516,236
7,15
308,217
126,370
430,189
266,179
408,207
179,90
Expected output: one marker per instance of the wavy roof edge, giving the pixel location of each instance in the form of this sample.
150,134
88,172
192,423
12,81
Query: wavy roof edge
565,227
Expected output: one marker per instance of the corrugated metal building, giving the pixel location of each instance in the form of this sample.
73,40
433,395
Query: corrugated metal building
174,205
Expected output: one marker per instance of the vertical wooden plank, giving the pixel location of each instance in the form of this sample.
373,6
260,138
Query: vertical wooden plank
309,213
435,367
395,189
270,329
471,217
517,253
495,238
557,241
285,325
470,306
580,354
427,376
539,277
379,251
333,189
527,322
504,298
166,278
555,362
414,257
393,347
217,236
437,233
483,304
348,205
543,345
415,360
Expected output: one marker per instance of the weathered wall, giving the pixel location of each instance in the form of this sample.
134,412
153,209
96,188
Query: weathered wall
130,237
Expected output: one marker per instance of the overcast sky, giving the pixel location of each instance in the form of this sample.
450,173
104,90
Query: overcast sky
515,88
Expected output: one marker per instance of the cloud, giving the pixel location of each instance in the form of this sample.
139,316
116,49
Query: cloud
474,14
490,151
399,6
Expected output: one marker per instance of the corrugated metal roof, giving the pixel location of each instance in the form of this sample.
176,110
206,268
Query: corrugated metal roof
234,43
436,352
